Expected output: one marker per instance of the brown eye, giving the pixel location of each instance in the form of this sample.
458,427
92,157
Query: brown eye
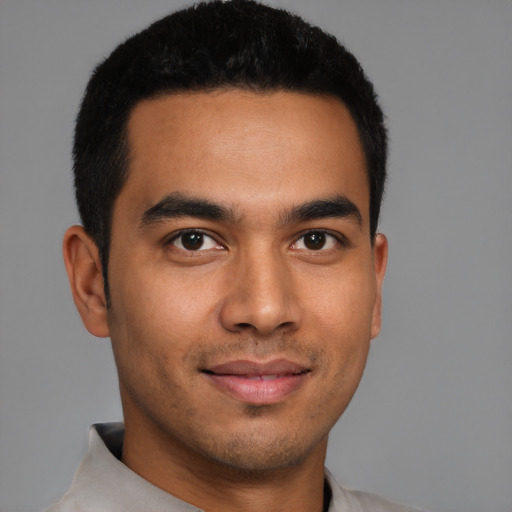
194,241
314,241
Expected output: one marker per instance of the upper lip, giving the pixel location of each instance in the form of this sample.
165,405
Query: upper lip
253,368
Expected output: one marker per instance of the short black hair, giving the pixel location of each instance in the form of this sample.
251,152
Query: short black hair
209,46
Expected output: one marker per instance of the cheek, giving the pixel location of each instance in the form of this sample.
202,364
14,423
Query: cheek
161,303
341,299
157,318
151,326
341,307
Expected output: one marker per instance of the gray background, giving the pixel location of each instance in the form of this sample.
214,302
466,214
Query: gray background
431,423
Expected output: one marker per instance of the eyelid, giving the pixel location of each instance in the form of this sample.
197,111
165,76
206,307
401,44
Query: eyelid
340,238
168,240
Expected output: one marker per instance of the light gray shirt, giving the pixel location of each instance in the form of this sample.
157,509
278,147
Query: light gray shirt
103,483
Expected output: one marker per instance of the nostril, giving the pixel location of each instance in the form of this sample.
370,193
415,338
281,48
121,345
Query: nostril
244,325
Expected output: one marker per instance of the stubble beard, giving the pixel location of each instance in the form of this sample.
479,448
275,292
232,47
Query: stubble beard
263,448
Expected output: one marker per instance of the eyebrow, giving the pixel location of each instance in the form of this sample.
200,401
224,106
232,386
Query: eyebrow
339,206
176,205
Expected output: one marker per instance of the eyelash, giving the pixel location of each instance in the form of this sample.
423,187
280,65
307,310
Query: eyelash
340,240
180,234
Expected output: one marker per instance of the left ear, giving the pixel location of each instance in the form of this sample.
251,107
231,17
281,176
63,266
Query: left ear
83,266
380,260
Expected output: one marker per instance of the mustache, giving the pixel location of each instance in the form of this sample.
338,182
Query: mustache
281,346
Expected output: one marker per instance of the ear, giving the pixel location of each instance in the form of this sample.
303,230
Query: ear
380,260
83,265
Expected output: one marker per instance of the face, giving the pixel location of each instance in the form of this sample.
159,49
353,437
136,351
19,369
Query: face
244,285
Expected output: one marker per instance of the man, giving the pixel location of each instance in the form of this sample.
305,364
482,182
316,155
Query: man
229,168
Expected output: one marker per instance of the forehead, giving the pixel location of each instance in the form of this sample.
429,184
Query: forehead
244,148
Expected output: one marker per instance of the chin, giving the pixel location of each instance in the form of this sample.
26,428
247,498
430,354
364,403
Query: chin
259,453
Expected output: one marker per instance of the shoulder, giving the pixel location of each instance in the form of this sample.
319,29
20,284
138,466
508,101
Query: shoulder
344,499
369,501
66,504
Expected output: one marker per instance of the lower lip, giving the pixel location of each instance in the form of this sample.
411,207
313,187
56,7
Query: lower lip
258,392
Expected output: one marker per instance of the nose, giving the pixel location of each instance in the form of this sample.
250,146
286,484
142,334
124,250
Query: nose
262,298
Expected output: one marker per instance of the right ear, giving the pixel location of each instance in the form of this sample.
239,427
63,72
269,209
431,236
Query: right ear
83,265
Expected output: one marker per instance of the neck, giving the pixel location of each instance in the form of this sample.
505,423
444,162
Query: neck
215,487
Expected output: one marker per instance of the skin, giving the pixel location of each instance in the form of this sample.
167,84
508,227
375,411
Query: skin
254,291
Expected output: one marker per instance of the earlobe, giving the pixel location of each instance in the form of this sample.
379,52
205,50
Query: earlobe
380,259
83,266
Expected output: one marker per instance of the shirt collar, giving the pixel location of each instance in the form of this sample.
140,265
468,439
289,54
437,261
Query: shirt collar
117,487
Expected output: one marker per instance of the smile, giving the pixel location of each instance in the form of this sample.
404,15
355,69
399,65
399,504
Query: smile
256,383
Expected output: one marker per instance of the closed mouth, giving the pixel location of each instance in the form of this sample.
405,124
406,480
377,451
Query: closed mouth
257,383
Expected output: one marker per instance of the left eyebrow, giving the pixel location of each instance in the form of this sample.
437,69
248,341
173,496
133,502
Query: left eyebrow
177,205
338,206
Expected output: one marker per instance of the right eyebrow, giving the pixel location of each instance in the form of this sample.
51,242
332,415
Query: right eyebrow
338,206
177,204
